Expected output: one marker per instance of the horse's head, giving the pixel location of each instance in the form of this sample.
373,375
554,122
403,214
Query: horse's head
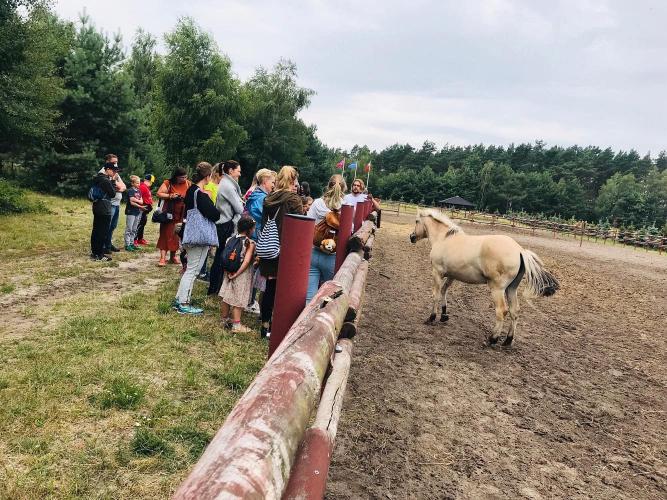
420,230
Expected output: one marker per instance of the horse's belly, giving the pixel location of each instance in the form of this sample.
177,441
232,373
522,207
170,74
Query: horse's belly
468,275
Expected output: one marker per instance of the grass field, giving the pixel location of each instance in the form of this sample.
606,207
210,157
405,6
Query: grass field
105,392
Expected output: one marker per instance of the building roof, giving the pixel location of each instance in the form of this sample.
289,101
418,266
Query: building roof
457,200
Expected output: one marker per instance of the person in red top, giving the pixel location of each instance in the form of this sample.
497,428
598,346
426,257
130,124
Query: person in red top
145,190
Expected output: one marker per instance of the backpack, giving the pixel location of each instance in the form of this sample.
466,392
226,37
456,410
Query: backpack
326,232
232,255
95,193
268,242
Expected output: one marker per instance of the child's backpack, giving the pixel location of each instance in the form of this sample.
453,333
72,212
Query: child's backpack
95,193
268,242
232,255
327,230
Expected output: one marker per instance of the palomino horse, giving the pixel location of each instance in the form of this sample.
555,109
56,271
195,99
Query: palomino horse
496,260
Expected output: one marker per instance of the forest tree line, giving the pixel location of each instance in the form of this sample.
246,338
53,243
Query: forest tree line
69,94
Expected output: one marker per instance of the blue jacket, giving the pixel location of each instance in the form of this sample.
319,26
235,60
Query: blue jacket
254,206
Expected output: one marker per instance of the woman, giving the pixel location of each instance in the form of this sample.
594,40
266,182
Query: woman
322,264
195,198
172,191
230,205
283,200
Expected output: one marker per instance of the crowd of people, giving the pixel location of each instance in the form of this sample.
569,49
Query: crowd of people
209,214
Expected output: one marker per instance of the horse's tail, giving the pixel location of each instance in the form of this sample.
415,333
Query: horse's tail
541,283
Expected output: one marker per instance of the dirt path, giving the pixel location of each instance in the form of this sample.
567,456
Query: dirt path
30,305
577,409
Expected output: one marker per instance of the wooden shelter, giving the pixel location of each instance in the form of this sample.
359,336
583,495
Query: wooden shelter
457,202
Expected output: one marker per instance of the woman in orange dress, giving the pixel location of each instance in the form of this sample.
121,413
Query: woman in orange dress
172,191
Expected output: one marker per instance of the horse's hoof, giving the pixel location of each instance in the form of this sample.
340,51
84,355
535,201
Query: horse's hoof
491,341
430,320
444,318
508,342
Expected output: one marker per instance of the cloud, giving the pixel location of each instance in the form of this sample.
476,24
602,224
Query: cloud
493,71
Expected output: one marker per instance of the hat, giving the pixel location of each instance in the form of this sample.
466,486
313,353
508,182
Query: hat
149,177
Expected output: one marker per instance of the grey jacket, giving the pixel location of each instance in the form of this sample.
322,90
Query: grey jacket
229,201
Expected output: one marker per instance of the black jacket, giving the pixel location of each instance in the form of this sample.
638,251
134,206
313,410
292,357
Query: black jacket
204,203
103,206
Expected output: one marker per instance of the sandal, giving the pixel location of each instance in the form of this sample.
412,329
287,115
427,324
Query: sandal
162,263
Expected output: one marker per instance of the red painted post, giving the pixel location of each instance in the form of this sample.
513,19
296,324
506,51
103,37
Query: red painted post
344,233
296,244
369,208
358,215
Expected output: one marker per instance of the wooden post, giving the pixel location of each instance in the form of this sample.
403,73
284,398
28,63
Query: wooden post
296,246
344,233
583,229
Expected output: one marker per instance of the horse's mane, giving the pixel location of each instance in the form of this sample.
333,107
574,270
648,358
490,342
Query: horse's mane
443,219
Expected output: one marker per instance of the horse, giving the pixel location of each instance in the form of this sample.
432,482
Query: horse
495,260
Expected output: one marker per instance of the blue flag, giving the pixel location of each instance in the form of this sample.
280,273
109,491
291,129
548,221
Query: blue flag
352,166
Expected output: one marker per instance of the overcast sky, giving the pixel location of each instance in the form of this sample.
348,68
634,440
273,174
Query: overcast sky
480,71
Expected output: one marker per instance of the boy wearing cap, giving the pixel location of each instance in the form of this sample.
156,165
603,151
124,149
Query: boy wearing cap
147,197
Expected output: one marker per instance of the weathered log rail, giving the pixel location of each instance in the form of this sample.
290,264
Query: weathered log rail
266,442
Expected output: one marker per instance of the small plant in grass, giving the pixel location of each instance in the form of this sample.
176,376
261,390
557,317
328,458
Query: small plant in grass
7,288
120,393
147,443
235,380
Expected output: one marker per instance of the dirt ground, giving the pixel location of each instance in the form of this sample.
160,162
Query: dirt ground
576,409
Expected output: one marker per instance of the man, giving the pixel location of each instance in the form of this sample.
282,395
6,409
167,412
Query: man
120,187
145,189
357,195
101,194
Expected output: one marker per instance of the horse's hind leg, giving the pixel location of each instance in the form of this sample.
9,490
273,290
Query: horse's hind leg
498,296
513,303
437,291
443,314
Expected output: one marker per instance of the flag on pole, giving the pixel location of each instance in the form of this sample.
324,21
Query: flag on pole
367,168
352,166
341,164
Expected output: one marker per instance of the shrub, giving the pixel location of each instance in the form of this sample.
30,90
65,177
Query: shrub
14,200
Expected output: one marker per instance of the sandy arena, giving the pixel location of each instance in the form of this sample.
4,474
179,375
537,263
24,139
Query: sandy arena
576,409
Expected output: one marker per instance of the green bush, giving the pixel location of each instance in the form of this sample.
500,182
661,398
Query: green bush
14,200
120,393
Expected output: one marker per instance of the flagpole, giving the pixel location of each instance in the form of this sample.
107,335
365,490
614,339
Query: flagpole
368,178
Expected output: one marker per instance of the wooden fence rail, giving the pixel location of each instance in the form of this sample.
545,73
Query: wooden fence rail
253,453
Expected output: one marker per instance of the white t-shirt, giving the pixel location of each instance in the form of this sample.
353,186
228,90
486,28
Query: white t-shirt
353,199
318,210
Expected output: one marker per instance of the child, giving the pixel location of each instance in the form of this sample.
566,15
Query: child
133,210
307,203
237,286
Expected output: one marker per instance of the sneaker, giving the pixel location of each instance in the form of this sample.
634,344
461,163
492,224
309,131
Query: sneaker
253,308
129,248
102,258
188,309
141,242
203,277
339,348
239,328
175,305
114,249
264,332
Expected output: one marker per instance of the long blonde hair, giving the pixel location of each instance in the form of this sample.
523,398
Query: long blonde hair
333,196
285,178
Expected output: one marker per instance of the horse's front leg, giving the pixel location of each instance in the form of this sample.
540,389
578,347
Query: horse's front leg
443,314
498,296
437,290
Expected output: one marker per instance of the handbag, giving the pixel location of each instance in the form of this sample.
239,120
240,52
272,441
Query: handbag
198,229
163,213
268,243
